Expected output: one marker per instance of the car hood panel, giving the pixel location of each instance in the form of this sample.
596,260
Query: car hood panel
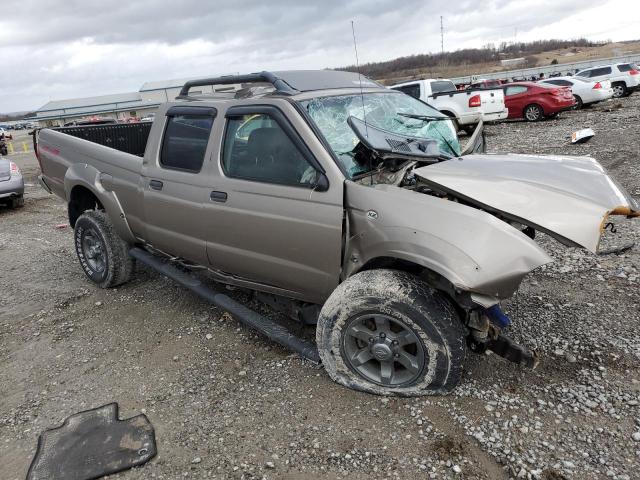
567,197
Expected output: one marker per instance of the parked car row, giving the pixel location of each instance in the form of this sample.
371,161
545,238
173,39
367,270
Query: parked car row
494,100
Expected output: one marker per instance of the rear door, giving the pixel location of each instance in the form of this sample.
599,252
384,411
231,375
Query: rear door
515,97
275,214
176,186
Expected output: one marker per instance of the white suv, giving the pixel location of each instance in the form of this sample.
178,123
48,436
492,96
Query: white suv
624,77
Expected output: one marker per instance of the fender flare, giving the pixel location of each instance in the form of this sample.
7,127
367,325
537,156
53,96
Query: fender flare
98,183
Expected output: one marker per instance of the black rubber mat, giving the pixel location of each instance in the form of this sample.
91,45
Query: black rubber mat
92,444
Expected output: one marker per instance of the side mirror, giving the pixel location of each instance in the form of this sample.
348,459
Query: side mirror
321,184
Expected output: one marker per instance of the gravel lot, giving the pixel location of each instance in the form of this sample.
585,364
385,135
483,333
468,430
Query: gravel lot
227,404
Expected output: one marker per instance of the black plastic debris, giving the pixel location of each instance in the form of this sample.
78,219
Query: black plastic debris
92,444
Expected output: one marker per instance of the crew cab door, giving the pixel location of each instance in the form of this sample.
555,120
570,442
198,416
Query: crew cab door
274,215
175,184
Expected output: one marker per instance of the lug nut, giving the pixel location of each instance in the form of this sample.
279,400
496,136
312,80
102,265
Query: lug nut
382,335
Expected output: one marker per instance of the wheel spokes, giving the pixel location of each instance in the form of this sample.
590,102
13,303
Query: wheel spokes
386,372
361,357
360,332
408,361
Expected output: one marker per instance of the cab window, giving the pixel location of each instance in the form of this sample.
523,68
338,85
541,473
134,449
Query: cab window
412,90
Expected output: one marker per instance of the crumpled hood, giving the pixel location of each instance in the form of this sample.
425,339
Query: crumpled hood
567,197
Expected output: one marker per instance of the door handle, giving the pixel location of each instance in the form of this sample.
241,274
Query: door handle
155,184
218,196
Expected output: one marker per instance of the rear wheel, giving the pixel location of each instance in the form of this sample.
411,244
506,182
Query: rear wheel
387,332
533,113
619,89
103,255
579,103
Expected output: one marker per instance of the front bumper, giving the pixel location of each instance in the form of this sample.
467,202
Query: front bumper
14,187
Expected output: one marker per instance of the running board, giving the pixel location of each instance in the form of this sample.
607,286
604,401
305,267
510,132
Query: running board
269,328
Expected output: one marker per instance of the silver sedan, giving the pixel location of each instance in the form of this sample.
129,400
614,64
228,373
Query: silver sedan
11,184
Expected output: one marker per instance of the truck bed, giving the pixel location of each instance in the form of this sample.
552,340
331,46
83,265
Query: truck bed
125,137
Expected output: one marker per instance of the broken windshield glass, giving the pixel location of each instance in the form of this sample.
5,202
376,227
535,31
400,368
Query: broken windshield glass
390,111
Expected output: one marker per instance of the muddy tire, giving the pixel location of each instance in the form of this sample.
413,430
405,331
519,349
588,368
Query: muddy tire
387,332
103,255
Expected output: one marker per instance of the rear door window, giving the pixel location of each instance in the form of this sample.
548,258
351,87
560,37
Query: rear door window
515,90
186,137
584,73
597,72
412,90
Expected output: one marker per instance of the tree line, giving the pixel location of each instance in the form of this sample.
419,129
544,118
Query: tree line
488,53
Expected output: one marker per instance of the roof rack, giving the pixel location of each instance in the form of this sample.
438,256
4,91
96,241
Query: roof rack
280,85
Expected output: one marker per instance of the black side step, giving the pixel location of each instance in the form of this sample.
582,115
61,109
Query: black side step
269,328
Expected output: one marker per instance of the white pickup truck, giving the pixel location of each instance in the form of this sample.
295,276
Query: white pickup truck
468,106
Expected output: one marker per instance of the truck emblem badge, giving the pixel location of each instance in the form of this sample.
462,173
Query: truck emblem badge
372,215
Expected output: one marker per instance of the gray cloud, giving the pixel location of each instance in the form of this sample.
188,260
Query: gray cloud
54,50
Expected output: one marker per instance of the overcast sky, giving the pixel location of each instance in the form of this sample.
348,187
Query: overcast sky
52,50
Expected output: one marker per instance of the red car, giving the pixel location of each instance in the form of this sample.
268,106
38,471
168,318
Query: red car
534,101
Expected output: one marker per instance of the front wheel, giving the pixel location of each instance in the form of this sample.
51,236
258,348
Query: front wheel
389,333
533,113
103,255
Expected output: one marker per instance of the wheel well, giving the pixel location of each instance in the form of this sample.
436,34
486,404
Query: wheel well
81,199
434,279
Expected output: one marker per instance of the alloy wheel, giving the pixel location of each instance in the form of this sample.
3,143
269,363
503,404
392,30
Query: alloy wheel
94,251
383,350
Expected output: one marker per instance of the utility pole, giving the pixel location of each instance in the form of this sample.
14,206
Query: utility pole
441,35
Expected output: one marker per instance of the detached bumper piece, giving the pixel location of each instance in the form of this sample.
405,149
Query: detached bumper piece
485,335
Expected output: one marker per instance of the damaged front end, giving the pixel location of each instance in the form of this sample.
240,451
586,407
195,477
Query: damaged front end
463,220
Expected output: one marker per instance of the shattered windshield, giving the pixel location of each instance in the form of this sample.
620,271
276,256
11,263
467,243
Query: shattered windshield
393,111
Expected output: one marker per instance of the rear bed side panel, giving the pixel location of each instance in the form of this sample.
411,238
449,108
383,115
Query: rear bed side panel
111,175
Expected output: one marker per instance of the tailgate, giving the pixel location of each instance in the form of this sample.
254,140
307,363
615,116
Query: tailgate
492,101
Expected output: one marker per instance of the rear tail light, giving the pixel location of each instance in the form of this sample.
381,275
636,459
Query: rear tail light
633,72
597,86
475,101
555,91
15,171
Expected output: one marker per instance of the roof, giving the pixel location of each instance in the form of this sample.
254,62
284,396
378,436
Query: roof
308,80
287,83
91,101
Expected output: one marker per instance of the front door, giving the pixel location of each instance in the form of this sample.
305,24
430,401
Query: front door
176,184
273,216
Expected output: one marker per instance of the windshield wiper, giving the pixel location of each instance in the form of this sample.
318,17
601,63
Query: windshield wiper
426,118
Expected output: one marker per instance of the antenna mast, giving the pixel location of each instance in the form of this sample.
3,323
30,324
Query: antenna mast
441,35
364,111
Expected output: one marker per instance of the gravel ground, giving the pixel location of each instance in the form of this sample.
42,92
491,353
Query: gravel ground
227,404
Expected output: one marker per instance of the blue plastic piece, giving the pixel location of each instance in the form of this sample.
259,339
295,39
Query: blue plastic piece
497,316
